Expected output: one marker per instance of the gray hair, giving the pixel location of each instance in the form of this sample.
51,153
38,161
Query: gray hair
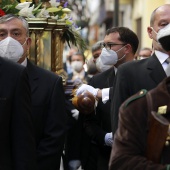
9,17
96,46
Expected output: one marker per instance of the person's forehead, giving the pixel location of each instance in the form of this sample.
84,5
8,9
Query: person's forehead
12,25
112,37
162,14
72,51
75,57
143,52
97,51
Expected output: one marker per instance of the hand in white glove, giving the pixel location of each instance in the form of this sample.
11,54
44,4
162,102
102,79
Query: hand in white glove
85,87
108,139
74,164
75,113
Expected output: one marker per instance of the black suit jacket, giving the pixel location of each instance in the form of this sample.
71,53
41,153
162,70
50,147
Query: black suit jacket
17,143
132,77
48,111
102,115
98,123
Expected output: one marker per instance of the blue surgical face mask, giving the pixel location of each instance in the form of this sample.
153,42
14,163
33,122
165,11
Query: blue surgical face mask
110,57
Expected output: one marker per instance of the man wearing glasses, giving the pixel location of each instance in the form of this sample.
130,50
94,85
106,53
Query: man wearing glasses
115,51
119,46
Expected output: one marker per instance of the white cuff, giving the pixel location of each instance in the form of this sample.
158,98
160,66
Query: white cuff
105,95
95,92
75,113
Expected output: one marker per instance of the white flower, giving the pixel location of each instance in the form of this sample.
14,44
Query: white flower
66,10
23,5
43,13
54,3
78,29
27,12
55,17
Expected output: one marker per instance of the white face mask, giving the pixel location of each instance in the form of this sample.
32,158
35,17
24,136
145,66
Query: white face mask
165,31
11,49
163,37
156,34
100,66
77,66
110,57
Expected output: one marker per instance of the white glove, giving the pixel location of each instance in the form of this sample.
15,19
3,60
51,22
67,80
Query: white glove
105,95
85,87
74,164
108,139
75,113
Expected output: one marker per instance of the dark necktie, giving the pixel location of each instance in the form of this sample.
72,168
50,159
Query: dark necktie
167,70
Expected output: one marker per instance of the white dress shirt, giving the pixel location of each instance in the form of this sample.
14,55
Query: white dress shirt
105,91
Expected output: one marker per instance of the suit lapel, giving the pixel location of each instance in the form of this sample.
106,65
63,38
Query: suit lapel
1,65
0,61
111,77
33,76
157,72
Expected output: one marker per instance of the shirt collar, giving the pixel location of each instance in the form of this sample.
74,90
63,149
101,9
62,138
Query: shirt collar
161,56
115,69
24,63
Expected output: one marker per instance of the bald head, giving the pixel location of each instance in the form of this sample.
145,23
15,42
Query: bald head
159,12
159,19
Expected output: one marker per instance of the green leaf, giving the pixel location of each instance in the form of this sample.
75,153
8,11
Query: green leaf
74,38
39,5
53,9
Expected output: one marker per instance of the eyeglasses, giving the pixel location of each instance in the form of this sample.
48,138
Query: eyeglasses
109,46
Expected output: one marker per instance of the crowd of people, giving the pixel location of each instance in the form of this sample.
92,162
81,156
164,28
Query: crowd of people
40,125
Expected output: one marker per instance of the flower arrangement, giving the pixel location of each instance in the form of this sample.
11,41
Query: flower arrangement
54,9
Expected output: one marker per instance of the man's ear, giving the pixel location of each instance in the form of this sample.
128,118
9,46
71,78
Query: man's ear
149,30
28,43
128,48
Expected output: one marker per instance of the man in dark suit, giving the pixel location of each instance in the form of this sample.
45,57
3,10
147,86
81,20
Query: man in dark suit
97,125
147,145
134,76
17,144
47,95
